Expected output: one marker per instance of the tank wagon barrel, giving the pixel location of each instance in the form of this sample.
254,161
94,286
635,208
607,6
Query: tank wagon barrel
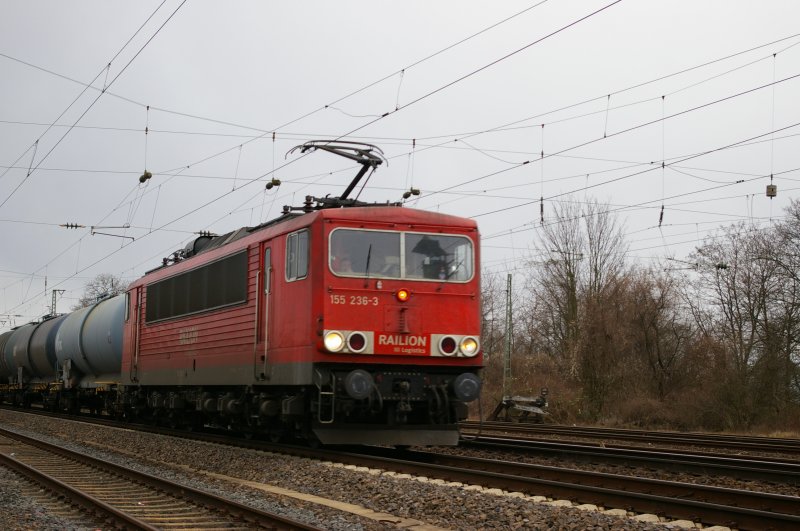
43,348
17,350
89,341
5,372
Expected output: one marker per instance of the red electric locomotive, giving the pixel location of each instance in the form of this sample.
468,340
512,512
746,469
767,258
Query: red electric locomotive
340,321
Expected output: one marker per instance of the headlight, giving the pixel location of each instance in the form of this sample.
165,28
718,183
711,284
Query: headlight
334,341
468,346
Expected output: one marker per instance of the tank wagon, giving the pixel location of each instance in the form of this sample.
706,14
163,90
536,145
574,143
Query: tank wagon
64,361
340,322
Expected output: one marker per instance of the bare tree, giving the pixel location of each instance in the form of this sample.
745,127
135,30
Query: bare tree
492,314
103,285
753,312
576,288
555,287
784,351
605,247
788,241
661,333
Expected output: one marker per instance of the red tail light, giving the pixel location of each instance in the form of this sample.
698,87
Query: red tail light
447,346
356,342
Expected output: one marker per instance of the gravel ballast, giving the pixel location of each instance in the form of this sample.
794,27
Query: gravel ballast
391,497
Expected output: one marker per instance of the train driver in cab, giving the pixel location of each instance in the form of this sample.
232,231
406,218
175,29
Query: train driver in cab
344,265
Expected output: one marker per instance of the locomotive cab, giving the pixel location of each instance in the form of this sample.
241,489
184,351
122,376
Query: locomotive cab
399,349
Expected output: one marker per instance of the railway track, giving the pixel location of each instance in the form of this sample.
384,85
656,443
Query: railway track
126,498
730,442
707,504
767,469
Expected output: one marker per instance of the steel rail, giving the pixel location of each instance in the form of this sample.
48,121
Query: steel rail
710,505
92,505
251,515
759,469
735,442
677,500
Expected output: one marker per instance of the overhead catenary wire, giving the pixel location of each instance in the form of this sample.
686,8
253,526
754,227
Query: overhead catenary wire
124,68
630,88
706,153
489,237
765,222
507,126
531,254
306,135
743,142
33,168
770,189
300,179
627,130
528,226
482,68
294,120
451,83
462,78
105,69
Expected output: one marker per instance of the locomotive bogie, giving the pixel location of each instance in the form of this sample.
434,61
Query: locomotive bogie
388,405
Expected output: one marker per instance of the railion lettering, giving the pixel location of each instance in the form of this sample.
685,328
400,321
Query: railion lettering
402,340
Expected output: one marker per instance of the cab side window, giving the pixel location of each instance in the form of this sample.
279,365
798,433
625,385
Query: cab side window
297,255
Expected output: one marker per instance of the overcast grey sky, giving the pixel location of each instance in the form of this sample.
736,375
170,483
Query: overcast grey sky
221,77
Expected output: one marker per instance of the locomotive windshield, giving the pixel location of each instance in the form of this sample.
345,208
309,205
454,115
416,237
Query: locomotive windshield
405,255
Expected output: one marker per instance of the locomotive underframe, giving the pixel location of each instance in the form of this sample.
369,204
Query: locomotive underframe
405,407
